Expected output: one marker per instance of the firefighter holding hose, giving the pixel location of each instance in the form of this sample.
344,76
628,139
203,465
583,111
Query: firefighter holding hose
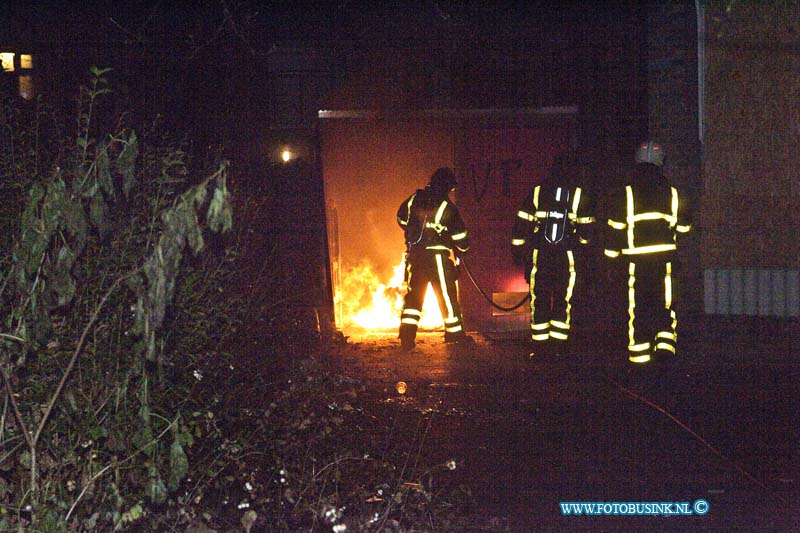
434,233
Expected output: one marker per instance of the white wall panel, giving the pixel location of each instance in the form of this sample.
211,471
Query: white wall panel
752,291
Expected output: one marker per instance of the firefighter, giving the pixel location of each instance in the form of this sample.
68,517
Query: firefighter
552,222
644,219
434,234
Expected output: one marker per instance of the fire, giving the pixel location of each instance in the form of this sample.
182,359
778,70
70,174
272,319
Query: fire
367,302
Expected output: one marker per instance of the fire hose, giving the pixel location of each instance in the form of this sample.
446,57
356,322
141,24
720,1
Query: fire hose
633,394
489,298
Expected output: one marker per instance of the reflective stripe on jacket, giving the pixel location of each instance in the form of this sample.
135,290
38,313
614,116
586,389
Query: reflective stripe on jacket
432,224
647,220
529,224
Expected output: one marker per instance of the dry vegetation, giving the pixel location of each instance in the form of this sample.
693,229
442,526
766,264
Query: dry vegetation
150,379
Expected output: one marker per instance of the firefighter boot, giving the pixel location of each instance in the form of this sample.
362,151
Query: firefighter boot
407,335
557,348
663,358
458,338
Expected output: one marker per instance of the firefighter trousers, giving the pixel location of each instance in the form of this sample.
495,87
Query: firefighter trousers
551,281
652,322
434,268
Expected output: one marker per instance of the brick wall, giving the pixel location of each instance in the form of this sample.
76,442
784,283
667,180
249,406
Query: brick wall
750,249
671,63
752,121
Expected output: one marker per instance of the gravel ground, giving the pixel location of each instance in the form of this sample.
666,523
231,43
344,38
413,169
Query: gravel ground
525,434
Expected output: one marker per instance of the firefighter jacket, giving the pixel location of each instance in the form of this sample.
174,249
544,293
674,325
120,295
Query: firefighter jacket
432,223
552,216
646,217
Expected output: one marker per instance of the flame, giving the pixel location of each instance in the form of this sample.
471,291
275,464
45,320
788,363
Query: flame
368,303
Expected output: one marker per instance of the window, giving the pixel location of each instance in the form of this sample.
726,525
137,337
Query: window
22,69
26,87
7,61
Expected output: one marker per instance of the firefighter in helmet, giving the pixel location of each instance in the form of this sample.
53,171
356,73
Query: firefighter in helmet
552,222
434,231
644,219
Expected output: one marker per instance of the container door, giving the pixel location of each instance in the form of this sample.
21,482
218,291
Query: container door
497,167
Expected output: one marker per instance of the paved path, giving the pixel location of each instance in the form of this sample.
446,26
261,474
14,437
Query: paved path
527,434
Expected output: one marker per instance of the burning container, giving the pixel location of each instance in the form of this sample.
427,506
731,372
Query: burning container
372,161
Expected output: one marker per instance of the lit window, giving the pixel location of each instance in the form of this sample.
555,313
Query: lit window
7,60
25,61
26,87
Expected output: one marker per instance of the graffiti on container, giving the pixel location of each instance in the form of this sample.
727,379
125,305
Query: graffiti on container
480,175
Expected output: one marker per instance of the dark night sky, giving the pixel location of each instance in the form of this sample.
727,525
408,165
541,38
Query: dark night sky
184,58
261,24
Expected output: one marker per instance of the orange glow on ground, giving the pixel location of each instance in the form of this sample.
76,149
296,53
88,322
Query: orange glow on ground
368,303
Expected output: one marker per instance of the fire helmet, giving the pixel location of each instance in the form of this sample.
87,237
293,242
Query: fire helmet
443,180
650,152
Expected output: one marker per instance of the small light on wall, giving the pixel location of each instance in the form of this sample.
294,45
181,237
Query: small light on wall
286,150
